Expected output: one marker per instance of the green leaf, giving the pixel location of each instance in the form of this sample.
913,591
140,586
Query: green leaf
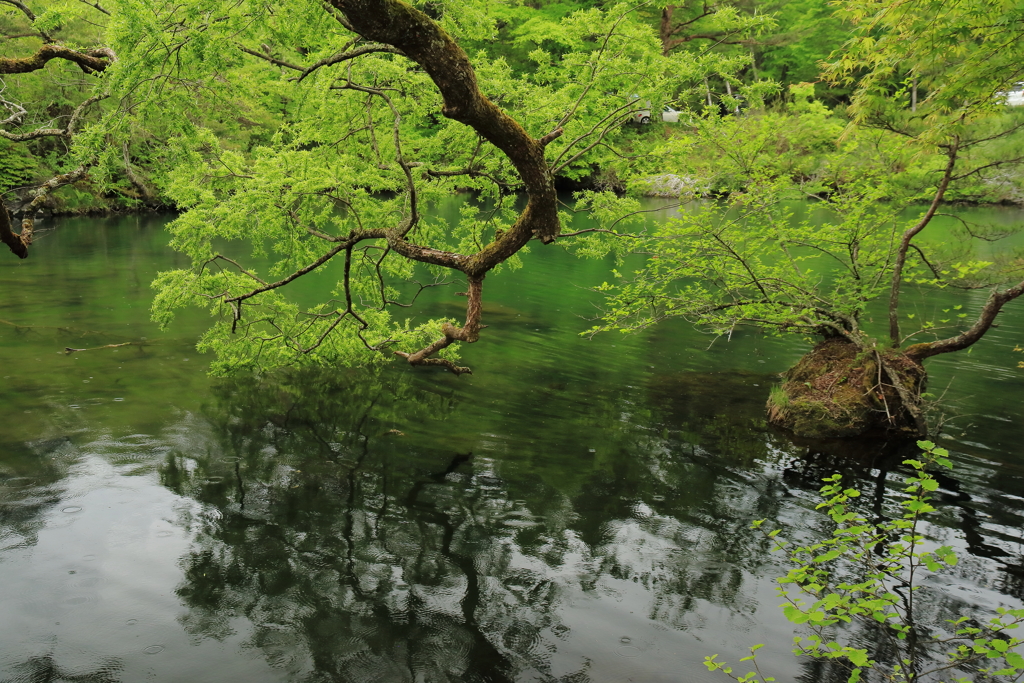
1014,660
794,615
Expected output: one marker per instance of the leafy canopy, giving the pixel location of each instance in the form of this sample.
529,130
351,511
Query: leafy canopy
279,145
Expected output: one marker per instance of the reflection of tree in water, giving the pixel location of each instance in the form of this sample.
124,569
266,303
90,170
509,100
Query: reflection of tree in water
43,669
352,560
981,521
358,554
31,484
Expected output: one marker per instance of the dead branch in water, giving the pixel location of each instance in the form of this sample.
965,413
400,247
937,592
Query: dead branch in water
68,350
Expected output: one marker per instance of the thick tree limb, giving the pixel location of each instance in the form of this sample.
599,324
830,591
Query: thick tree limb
904,246
92,61
995,303
414,34
7,235
398,24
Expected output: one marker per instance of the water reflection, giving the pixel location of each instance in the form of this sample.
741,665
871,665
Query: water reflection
352,556
44,669
577,511
358,554
337,524
31,477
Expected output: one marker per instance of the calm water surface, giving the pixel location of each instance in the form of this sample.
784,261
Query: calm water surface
574,511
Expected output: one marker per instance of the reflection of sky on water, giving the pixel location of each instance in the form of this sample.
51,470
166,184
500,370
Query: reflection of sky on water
96,588
281,562
598,532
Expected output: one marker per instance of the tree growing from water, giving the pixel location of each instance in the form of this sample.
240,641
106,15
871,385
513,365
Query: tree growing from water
749,261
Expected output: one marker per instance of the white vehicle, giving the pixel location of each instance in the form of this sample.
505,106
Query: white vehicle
668,115
1015,97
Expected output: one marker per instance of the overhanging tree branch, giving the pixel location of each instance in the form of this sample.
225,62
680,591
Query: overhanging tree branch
414,34
92,61
989,311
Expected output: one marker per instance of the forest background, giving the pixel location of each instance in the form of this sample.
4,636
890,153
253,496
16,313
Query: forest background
300,132
793,127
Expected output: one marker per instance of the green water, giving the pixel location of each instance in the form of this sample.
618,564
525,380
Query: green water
573,511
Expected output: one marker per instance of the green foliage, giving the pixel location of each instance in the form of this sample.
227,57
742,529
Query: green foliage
270,170
955,55
868,572
808,32
17,167
749,259
745,261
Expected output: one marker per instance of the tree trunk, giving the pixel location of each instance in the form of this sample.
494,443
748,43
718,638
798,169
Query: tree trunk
12,239
665,29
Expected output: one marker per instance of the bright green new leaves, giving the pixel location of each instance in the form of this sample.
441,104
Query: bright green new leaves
751,261
281,134
958,53
868,571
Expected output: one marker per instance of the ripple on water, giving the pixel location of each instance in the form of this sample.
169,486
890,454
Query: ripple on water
78,600
71,509
628,651
18,482
448,651
153,649
84,582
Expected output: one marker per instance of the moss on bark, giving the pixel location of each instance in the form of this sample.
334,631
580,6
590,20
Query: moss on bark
838,390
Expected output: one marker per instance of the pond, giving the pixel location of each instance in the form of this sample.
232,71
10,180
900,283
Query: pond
573,511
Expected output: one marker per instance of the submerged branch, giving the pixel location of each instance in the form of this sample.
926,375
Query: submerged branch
68,350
